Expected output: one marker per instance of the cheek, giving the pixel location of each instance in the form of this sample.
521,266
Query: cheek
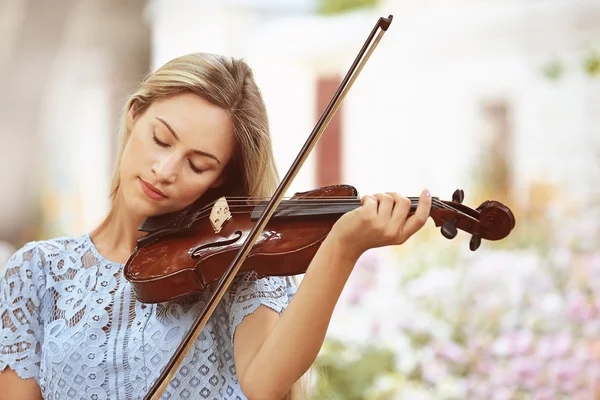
125,164
190,191
135,155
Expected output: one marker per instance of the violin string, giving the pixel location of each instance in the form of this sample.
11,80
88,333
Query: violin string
316,198
308,204
326,202
316,201
266,199
314,204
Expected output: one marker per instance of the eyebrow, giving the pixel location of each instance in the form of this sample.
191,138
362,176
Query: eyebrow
202,153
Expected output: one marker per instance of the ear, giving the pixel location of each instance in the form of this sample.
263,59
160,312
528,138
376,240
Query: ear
131,115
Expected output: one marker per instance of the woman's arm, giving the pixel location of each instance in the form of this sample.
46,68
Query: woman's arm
22,281
13,387
272,352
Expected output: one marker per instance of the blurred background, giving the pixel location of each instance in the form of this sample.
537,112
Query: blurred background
498,98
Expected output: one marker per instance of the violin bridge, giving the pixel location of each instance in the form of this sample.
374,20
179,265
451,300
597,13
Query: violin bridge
219,214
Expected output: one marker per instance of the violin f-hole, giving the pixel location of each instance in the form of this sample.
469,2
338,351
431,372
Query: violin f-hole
196,252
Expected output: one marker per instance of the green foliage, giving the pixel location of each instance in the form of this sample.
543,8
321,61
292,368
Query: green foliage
591,64
329,7
555,69
347,373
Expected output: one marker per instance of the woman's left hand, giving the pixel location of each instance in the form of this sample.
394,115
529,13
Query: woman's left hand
383,220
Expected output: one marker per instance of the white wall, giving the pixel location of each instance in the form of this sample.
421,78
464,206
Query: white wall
76,131
412,118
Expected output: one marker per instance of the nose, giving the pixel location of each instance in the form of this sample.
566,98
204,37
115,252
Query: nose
165,168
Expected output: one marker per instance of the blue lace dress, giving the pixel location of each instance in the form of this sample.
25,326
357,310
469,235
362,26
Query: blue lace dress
70,320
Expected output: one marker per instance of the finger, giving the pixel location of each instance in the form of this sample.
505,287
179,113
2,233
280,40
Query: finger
418,219
369,205
386,205
402,208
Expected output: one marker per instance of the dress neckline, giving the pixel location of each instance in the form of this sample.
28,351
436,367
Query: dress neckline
90,242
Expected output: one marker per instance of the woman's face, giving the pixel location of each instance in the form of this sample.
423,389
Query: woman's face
177,150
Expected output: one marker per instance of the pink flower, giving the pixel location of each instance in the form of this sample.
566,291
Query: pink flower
452,352
523,342
594,264
565,374
545,393
591,375
478,389
544,348
561,344
502,345
356,293
484,366
526,368
582,353
581,309
582,395
499,378
434,371
502,394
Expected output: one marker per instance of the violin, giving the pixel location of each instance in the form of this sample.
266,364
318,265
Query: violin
193,253
205,246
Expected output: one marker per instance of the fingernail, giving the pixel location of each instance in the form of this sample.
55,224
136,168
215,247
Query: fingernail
426,193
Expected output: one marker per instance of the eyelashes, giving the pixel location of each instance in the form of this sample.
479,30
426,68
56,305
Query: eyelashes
164,145
158,142
196,170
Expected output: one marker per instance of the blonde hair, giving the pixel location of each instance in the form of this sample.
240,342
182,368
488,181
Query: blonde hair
229,84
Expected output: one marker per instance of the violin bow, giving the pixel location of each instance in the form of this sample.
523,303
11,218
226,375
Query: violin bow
160,385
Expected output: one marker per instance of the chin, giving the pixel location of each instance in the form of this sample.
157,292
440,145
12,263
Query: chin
148,208
141,206
142,209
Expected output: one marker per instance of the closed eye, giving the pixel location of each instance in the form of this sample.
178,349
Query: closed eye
196,170
158,142
162,144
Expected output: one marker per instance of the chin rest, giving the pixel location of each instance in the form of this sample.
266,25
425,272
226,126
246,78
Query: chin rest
152,224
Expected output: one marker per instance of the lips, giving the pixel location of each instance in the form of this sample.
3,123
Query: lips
151,191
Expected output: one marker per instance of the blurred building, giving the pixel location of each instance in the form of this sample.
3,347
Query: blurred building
491,97
65,68
464,94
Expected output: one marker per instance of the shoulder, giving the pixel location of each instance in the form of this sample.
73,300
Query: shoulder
38,255
250,291
60,246
37,265
250,285
49,247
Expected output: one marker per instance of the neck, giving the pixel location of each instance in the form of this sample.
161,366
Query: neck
115,238
311,207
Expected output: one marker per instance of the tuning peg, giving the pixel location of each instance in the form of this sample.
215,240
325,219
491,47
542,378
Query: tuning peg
458,196
475,242
449,230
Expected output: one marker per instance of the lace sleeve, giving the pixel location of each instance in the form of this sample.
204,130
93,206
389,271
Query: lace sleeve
22,283
248,293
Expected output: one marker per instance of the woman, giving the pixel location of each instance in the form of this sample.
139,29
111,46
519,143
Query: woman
71,326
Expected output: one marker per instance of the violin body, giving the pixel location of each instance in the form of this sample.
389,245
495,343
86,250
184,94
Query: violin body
188,261
186,256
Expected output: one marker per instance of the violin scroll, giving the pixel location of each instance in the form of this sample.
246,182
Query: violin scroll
492,220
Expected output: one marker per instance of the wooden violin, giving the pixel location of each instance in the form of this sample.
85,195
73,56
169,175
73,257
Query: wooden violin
190,254
210,243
